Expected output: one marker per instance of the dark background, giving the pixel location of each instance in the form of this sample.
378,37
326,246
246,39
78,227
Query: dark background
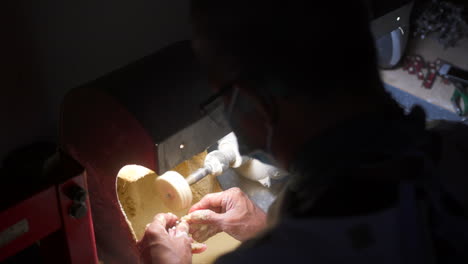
48,47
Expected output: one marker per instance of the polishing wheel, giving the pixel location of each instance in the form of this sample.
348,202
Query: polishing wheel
174,190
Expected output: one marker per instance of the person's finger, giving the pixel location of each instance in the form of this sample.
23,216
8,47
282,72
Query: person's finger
157,227
203,235
205,232
194,227
165,220
205,217
198,248
197,236
154,231
182,229
198,227
209,201
172,231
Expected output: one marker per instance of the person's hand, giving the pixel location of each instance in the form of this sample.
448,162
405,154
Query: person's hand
167,241
230,211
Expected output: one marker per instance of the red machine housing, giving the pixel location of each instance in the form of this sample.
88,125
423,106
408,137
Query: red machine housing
56,217
103,137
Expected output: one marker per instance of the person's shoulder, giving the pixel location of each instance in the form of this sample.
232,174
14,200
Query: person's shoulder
453,139
266,252
453,143
278,245
453,155
447,128
261,249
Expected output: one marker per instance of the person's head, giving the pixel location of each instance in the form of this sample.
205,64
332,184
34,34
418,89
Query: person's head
285,59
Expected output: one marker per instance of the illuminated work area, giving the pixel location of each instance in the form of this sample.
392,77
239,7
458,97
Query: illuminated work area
141,202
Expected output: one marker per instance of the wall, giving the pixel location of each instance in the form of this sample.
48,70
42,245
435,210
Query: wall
51,46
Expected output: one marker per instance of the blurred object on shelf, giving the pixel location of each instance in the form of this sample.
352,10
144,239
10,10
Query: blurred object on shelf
390,25
430,78
441,20
459,77
425,71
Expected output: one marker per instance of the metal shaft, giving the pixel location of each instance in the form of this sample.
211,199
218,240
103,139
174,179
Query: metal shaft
197,175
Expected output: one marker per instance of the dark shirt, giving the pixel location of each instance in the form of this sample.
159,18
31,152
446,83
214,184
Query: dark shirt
352,170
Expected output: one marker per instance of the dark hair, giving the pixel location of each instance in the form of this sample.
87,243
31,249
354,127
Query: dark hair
297,42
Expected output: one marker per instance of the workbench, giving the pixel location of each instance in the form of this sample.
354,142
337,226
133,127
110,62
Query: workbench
440,93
